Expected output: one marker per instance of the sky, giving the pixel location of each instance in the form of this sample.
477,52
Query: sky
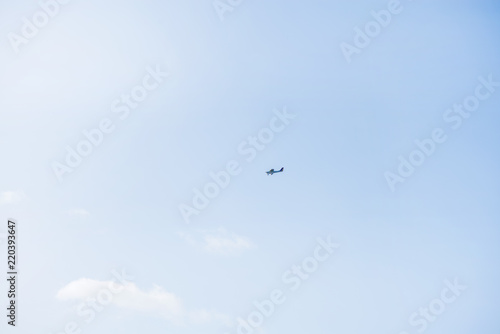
135,137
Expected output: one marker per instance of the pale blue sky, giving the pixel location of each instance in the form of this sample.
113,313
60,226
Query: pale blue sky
120,207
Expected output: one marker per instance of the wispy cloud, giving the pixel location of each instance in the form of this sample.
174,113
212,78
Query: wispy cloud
219,241
12,197
78,213
155,302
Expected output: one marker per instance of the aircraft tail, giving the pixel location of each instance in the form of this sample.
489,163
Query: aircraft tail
281,169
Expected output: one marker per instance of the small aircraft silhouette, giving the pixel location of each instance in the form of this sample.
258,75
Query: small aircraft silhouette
272,171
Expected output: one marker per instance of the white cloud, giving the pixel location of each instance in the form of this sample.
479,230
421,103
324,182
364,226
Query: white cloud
128,296
220,241
188,238
226,243
12,197
156,301
82,289
78,213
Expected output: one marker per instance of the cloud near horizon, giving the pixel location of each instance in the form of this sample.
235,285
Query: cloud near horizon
155,302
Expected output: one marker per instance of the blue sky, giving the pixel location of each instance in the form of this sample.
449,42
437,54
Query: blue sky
227,79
